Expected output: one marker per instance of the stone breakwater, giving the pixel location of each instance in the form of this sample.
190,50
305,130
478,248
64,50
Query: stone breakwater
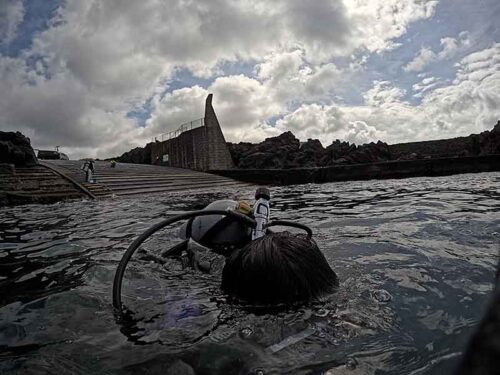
286,151
367,171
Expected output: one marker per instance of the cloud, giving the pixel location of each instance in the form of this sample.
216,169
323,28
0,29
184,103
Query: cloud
470,104
245,105
450,47
327,123
58,111
242,104
379,22
98,60
290,78
424,85
421,60
383,93
11,16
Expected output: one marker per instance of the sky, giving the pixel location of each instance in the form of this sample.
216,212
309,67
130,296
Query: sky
99,77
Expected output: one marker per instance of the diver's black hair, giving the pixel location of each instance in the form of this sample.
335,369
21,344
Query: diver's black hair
278,268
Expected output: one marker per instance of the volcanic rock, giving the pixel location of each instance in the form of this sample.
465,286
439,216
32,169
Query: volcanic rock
309,154
336,153
16,149
138,155
285,151
487,142
345,153
273,152
370,153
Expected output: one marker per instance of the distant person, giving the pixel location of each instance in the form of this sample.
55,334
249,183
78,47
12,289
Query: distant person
91,172
88,168
113,164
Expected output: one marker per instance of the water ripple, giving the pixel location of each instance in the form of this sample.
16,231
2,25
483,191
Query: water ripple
416,258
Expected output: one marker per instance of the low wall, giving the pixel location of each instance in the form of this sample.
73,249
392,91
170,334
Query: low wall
188,150
437,148
383,170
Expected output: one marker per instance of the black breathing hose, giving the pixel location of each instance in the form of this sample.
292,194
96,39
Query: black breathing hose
120,270
290,224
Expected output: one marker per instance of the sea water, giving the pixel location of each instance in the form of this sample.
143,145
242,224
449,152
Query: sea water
416,259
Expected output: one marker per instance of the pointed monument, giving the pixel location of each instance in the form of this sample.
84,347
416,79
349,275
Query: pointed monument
219,156
197,145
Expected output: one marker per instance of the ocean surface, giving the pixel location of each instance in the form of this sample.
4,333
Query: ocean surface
416,259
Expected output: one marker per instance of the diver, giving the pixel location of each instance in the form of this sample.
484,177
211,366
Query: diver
262,267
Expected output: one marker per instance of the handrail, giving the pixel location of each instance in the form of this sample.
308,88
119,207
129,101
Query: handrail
65,176
190,125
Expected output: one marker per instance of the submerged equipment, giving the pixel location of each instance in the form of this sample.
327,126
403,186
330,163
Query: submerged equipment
262,267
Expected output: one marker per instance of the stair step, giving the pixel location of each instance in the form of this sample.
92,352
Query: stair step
129,182
180,185
43,193
132,179
164,190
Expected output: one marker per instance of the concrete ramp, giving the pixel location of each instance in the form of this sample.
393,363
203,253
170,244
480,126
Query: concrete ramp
131,179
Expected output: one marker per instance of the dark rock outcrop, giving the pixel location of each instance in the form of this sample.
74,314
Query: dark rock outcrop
16,149
310,154
274,152
485,143
285,151
138,155
337,152
370,153
345,153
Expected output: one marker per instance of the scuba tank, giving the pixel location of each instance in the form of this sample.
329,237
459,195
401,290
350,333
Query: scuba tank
261,265
219,231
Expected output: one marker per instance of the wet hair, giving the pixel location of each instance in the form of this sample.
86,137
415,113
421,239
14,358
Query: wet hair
278,268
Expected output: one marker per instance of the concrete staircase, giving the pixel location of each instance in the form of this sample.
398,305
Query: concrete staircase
131,179
35,184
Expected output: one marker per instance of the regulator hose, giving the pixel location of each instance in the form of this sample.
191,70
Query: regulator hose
120,270
290,224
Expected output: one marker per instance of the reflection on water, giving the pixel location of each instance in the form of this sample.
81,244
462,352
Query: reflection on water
416,260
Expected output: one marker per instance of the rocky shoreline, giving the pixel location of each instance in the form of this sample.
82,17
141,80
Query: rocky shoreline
286,151
367,171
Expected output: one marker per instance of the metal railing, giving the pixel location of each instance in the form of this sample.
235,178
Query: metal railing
190,125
